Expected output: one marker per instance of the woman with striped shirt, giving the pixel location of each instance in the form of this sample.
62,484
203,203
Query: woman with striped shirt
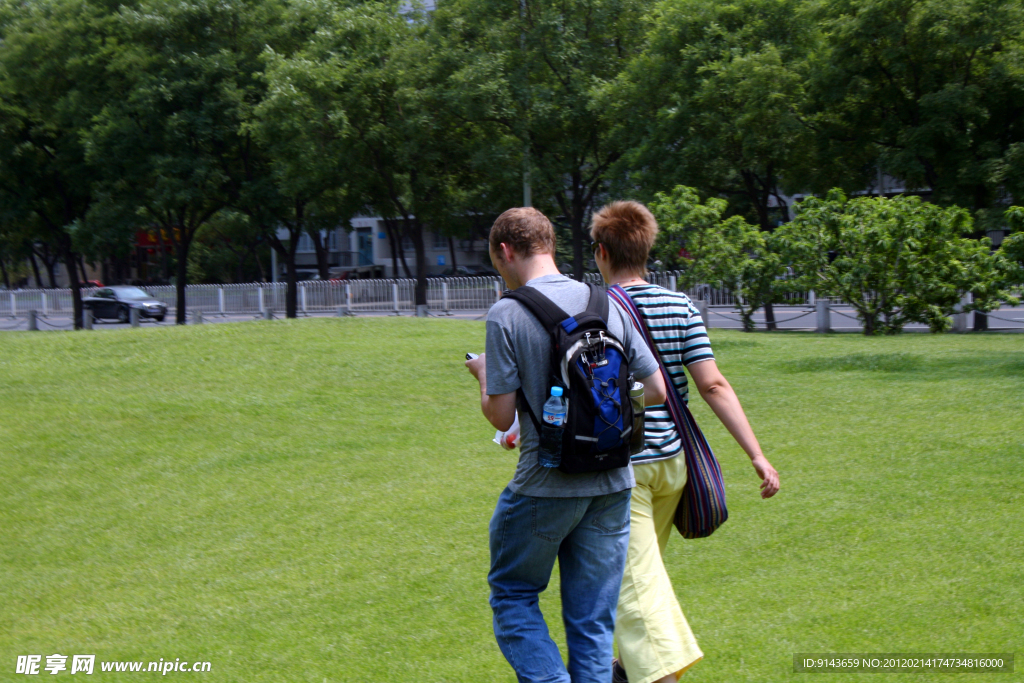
654,640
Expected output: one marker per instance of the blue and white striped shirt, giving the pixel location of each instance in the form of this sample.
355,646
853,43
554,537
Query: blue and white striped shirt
679,335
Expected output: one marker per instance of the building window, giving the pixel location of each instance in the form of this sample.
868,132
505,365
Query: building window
440,241
305,243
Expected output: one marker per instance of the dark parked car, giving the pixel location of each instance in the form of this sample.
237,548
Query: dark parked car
115,303
465,271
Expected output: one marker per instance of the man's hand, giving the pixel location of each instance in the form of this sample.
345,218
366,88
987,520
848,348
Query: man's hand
499,410
478,368
769,477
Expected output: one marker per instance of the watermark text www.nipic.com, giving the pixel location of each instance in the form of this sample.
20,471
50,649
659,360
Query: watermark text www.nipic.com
32,665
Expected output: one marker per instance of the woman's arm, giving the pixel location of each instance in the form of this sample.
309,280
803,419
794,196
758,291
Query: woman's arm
719,394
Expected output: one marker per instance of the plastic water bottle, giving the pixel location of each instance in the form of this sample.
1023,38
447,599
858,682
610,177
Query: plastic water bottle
552,424
555,408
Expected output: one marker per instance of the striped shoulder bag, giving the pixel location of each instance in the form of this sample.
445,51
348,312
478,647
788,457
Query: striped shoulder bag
702,508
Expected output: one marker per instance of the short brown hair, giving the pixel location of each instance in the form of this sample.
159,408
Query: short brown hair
525,229
627,230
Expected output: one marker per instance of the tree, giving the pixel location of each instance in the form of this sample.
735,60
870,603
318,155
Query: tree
714,102
296,170
234,232
11,249
49,257
894,261
717,93
373,64
169,139
1011,252
51,86
531,71
930,91
731,254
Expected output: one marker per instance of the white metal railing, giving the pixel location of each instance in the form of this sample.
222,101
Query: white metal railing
390,295
382,295
318,296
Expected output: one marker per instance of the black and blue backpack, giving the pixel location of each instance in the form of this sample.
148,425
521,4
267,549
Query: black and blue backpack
591,367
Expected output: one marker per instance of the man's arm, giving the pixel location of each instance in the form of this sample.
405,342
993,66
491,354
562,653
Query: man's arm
640,359
500,409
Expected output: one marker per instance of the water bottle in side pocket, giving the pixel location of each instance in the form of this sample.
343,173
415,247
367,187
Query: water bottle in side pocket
556,410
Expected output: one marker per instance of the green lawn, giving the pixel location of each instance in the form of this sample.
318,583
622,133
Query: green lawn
308,501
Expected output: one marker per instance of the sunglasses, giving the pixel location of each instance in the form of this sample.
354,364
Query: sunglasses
594,247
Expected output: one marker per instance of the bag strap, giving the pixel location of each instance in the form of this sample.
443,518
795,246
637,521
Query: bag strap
598,304
549,315
543,308
529,410
673,402
706,505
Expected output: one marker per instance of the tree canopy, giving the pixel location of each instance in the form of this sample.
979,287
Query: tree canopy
189,120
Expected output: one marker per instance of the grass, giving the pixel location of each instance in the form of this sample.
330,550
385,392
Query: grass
308,501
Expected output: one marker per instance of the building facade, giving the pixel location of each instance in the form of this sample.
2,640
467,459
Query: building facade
364,250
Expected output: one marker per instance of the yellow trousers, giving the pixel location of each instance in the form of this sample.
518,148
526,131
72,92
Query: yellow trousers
652,635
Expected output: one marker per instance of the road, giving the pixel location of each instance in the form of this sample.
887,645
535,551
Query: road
843,319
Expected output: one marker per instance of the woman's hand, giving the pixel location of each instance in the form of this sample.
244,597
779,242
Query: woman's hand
769,477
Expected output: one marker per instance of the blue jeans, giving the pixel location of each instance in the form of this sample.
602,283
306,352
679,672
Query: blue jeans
589,537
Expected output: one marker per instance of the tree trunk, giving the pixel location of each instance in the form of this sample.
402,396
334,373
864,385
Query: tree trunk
577,250
291,299
769,316
980,321
81,266
759,194
421,262
71,263
181,277
35,267
747,315
322,265
51,269
50,262
395,236
393,242
576,229
451,250
401,249
259,265
3,269
291,305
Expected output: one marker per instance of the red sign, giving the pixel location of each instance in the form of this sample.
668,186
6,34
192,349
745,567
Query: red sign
151,240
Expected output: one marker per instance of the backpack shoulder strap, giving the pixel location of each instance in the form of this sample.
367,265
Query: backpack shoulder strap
598,304
549,315
543,308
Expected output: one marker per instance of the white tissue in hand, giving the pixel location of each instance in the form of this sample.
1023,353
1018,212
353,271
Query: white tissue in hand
510,439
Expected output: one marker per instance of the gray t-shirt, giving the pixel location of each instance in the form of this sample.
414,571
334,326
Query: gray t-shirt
519,353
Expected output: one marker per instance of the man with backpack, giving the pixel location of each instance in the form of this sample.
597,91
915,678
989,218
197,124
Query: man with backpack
553,331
